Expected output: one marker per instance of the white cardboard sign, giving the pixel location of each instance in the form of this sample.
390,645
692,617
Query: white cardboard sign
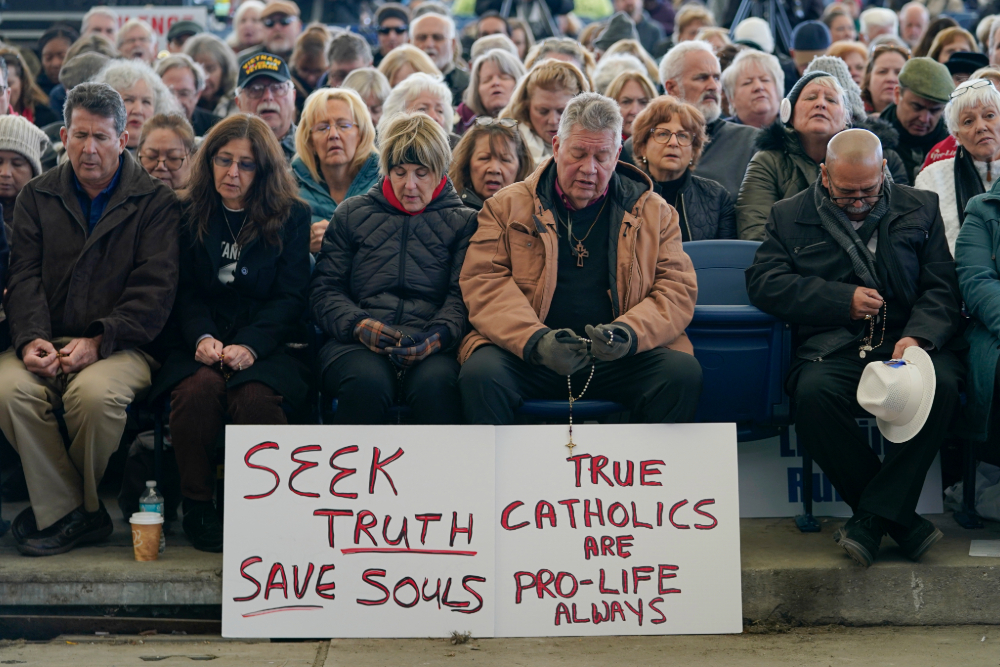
162,18
507,533
636,532
410,555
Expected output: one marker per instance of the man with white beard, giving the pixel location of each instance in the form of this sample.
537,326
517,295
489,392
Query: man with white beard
690,72
264,88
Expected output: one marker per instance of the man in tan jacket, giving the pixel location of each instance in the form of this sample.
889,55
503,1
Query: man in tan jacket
579,269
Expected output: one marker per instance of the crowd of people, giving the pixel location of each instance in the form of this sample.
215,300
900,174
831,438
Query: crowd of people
458,222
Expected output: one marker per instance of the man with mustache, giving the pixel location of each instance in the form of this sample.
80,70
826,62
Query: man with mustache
690,72
264,88
93,274
434,34
861,266
925,86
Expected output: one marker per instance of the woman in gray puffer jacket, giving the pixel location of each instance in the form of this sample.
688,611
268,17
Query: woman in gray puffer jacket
385,288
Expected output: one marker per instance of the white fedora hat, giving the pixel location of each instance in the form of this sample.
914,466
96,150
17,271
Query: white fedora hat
899,393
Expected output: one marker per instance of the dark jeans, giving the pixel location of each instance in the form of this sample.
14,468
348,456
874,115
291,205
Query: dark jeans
658,387
198,408
825,394
365,385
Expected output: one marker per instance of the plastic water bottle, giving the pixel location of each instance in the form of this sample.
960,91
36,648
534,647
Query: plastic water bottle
152,501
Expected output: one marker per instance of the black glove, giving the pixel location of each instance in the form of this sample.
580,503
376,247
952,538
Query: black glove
609,342
561,351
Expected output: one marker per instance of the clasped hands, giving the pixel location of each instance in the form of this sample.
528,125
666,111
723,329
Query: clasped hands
44,360
563,352
404,349
211,351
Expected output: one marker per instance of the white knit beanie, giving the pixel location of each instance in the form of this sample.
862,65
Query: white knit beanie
21,136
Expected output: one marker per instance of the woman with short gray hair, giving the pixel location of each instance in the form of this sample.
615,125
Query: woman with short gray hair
422,93
390,338
142,91
611,66
753,84
973,118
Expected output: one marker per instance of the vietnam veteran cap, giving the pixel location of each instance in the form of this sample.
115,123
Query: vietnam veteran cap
262,64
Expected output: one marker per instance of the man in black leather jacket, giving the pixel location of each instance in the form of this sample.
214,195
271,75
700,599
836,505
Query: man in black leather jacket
875,270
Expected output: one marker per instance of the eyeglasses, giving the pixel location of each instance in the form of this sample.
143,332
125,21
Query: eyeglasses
324,128
246,166
867,199
257,90
399,30
182,94
270,22
973,85
150,161
663,137
486,121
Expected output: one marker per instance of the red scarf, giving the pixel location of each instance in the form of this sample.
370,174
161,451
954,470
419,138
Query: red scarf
391,196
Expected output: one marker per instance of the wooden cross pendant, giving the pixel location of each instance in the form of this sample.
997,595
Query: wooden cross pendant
581,253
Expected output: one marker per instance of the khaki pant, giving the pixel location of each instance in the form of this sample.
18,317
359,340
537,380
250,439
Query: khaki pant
93,402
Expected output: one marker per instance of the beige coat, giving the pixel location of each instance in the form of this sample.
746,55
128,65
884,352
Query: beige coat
510,270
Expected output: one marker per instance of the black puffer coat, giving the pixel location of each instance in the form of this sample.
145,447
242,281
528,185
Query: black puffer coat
399,269
706,209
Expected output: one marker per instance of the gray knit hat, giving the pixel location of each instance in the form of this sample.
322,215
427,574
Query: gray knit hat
837,68
21,136
621,26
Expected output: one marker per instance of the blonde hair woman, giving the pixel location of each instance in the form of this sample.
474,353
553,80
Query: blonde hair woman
385,289
634,48
633,92
539,101
405,60
335,154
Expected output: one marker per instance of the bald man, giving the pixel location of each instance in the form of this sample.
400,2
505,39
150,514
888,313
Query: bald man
854,256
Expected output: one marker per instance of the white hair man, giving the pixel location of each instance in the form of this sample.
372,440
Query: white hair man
690,72
753,84
435,35
913,20
100,21
877,21
136,39
636,337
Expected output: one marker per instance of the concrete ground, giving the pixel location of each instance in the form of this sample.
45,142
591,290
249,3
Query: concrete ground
968,646
789,578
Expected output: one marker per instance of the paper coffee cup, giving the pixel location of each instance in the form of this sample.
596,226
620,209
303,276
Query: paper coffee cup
146,528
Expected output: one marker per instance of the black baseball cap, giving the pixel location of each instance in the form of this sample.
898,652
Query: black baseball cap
262,64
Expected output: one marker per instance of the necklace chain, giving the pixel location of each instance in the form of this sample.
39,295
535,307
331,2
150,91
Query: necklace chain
568,224
236,237
866,342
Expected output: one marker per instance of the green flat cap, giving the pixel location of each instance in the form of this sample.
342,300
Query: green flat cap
927,78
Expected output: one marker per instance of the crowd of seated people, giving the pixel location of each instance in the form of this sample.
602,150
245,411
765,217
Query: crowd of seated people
457,221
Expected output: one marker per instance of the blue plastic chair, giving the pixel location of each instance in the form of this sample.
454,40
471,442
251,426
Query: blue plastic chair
537,409
744,353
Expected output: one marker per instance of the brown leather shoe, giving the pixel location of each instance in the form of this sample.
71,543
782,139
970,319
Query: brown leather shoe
76,528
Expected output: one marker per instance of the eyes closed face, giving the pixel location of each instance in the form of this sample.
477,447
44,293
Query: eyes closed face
495,87
545,108
231,181
818,111
430,105
413,185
